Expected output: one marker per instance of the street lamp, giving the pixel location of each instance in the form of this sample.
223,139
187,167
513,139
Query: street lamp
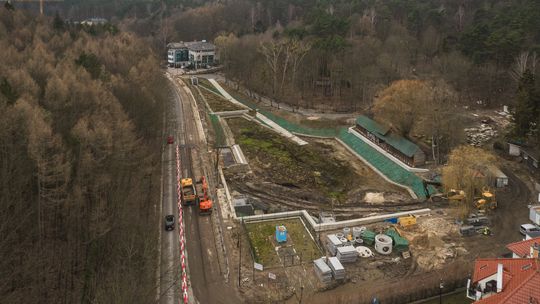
441,286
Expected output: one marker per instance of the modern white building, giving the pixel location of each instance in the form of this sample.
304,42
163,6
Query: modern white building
195,54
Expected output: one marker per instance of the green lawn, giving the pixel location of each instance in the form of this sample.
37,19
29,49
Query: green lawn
261,236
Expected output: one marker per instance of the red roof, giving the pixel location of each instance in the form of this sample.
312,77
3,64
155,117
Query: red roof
523,248
521,280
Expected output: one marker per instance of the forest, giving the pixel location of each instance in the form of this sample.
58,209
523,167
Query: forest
81,108
343,56
80,138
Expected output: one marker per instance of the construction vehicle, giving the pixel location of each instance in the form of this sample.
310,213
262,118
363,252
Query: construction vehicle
487,201
205,203
451,195
188,192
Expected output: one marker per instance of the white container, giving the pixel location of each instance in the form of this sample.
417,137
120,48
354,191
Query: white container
383,244
346,231
356,232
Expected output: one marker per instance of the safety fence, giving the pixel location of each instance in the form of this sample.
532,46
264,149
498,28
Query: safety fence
183,262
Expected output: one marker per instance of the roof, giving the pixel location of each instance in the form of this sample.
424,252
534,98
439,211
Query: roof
495,171
521,279
192,45
200,46
523,248
400,143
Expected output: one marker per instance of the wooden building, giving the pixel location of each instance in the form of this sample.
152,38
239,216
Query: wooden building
398,146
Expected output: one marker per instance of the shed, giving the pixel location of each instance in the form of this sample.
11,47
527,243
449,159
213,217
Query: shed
498,178
398,146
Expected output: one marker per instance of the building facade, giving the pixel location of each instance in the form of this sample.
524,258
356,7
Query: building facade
195,54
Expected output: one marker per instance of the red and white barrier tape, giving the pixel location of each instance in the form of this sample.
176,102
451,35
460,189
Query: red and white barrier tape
181,229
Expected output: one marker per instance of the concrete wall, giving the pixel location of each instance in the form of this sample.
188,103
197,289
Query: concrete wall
336,225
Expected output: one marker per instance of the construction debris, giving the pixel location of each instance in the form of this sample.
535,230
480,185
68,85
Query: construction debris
477,136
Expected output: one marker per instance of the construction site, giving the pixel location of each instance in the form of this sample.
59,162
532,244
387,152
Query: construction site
313,210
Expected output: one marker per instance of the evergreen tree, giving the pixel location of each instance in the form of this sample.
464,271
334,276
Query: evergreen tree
58,23
9,6
526,108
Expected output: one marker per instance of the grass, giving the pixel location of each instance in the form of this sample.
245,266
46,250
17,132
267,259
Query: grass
217,103
261,235
280,161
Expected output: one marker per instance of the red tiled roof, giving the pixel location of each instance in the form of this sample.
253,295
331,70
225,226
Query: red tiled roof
520,282
523,248
483,268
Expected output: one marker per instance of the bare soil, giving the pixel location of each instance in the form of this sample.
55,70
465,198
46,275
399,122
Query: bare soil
322,173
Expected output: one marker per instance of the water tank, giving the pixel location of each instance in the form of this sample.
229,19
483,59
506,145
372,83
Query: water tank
383,244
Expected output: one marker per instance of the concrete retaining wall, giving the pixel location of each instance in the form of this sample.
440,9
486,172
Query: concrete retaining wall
336,225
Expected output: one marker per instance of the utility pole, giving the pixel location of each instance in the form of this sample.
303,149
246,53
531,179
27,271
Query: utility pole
41,7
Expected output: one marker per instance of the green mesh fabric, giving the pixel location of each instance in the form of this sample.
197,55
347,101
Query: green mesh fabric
400,244
218,130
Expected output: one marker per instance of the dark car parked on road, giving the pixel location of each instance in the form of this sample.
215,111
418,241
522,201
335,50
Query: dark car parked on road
169,222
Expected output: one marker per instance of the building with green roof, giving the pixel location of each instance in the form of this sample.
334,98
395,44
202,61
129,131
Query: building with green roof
398,146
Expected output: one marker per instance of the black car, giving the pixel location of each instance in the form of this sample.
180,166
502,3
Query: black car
169,222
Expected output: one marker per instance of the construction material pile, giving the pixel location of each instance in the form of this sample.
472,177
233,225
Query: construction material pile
400,244
337,268
323,272
368,237
477,136
333,242
347,254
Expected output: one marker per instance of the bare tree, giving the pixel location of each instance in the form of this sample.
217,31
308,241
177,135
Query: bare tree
272,51
522,62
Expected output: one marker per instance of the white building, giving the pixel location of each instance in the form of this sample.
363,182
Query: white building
195,54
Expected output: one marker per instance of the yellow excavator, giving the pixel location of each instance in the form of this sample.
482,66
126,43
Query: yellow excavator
487,201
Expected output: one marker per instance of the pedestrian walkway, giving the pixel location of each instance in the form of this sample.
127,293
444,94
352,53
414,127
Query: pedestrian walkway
383,164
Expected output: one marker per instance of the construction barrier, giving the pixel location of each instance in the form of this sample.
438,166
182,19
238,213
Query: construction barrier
183,263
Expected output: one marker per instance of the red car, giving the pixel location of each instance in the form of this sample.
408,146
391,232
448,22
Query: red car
170,140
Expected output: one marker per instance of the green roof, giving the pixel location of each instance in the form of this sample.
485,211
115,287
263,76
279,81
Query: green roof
400,143
371,125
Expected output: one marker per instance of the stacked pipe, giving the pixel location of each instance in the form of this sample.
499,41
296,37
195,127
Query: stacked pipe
185,297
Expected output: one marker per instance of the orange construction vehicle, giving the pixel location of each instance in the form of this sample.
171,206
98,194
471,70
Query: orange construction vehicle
205,203
188,192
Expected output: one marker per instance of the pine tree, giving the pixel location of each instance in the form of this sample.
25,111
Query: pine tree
58,23
525,111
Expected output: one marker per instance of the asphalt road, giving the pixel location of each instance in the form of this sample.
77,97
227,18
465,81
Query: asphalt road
205,268
169,272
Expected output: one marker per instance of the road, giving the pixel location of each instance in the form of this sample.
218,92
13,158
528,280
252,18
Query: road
170,270
205,259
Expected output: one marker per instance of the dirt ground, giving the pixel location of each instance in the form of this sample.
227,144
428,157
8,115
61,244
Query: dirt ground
437,249
320,175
